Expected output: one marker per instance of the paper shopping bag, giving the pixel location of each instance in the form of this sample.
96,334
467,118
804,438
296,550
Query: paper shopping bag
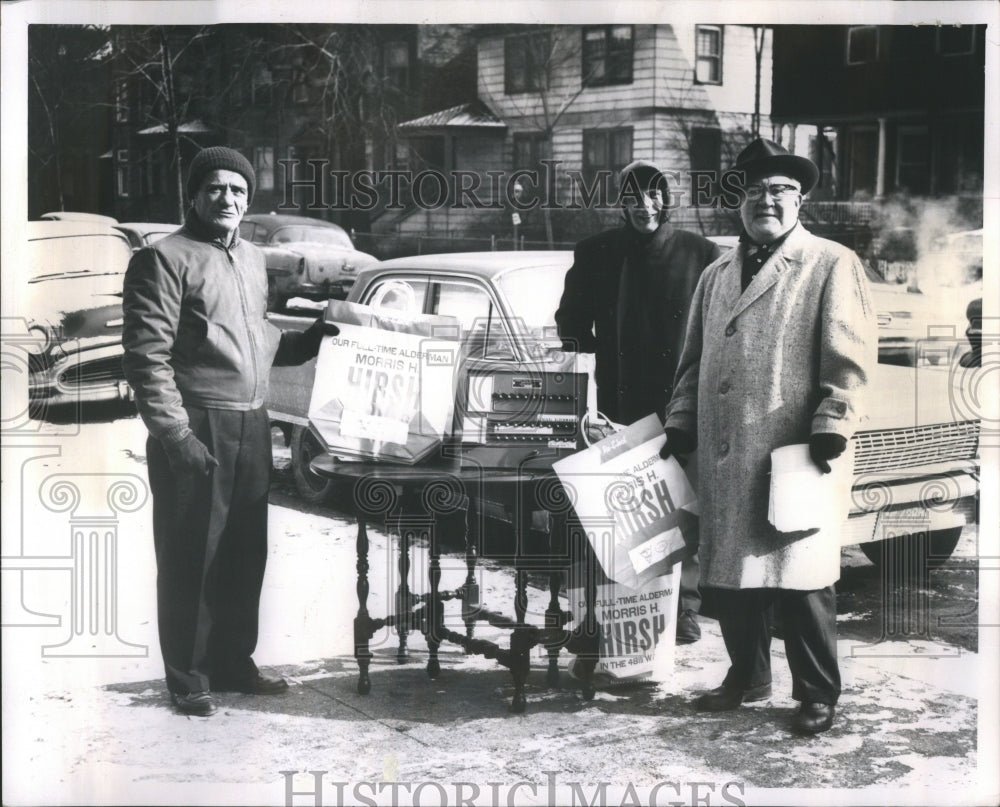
385,385
639,511
637,627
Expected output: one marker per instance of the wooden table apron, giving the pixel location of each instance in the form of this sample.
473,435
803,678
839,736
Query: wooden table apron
443,486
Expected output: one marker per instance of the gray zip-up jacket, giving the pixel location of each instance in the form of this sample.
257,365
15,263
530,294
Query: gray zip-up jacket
196,331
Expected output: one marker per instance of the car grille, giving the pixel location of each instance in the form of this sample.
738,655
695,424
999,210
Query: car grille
98,371
893,449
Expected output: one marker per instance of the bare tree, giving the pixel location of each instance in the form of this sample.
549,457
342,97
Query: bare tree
184,76
352,101
155,56
550,52
65,64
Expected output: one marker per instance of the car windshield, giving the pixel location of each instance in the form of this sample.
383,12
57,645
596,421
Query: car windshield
83,255
316,235
533,294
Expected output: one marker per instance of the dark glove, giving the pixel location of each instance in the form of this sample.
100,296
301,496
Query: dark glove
678,443
190,455
313,335
824,447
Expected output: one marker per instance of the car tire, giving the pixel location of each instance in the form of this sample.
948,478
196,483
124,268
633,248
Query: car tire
313,488
913,555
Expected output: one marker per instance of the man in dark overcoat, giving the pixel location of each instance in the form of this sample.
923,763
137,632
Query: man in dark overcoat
626,299
780,347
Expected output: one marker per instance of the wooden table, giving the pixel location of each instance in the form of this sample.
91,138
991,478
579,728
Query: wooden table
412,500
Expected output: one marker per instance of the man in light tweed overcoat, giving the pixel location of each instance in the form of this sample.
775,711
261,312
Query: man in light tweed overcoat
780,346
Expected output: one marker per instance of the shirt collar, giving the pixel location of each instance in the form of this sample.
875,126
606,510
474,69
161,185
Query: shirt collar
752,246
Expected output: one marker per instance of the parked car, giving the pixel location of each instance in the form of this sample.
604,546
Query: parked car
143,233
916,463
960,254
912,325
306,257
75,215
74,305
921,292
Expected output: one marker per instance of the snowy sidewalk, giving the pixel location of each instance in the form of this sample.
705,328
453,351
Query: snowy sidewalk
102,730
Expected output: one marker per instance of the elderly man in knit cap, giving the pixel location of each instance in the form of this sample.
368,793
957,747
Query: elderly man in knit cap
198,349
626,299
779,349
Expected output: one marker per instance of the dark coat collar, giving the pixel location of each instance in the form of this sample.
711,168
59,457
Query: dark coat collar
196,227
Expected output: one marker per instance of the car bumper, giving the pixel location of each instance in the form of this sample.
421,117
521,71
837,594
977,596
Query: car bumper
81,376
926,499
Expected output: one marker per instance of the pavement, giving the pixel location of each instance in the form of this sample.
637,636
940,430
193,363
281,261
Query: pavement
916,723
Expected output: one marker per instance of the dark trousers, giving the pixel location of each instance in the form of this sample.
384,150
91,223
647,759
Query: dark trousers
210,534
689,596
809,624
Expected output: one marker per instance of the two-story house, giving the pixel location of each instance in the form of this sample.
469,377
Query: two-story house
590,99
884,109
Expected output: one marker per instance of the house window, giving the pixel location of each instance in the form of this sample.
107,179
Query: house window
862,44
121,101
300,88
956,40
607,55
912,159
527,149
525,60
911,41
263,166
863,165
396,56
121,172
608,150
427,152
708,54
260,86
528,153
153,180
706,149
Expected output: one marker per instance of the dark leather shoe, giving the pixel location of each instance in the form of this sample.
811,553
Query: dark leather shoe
199,704
259,684
688,630
812,718
724,698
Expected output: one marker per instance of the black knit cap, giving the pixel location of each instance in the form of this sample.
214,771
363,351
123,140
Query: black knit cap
219,158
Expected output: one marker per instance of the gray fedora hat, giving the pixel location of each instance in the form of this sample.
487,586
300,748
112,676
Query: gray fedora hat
763,157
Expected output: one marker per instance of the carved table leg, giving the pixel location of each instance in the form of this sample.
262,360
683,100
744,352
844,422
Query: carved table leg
362,622
435,612
519,648
553,614
520,666
403,591
470,593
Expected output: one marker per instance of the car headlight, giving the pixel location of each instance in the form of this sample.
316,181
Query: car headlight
41,340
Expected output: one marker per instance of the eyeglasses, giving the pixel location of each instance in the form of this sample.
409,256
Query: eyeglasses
755,192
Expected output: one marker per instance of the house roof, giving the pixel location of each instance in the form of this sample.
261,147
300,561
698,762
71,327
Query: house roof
473,115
